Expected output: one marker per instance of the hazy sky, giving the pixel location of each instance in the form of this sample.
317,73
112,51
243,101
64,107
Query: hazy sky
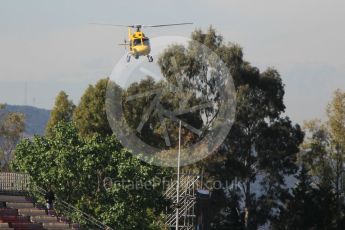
47,46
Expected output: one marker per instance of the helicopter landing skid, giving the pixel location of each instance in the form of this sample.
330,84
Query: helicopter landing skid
149,57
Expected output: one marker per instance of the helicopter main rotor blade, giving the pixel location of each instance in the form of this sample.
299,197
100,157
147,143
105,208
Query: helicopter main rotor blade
105,24
142,26
174,24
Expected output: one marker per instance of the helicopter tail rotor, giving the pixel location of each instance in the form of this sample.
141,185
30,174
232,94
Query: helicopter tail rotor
125,42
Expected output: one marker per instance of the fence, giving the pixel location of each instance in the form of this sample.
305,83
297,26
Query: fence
14,182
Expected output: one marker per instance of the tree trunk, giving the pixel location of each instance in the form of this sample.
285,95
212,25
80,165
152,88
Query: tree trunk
247,210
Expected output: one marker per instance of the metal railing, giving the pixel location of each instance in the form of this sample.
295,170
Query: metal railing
20,183
72,213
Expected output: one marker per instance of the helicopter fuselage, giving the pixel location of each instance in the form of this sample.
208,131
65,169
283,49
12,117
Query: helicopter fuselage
139,44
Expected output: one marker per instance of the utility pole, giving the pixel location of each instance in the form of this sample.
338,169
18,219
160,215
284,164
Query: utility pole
178,178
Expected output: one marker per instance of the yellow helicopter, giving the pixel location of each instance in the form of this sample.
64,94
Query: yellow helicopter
139,43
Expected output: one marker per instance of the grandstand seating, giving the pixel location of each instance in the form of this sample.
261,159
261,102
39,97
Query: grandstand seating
21,213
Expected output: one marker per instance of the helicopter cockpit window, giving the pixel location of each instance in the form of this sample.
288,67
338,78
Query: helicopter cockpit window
146,41
137,42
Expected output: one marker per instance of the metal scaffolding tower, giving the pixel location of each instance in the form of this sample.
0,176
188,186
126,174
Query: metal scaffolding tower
185,208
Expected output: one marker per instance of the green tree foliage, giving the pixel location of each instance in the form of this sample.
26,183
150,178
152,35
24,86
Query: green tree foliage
12,125
77,168
62,111
90,115
336,118
336,123
324,153
232,217
309,206
316,147
301,210
261,142
153,130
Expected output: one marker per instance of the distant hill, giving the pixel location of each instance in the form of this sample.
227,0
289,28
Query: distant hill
35,118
